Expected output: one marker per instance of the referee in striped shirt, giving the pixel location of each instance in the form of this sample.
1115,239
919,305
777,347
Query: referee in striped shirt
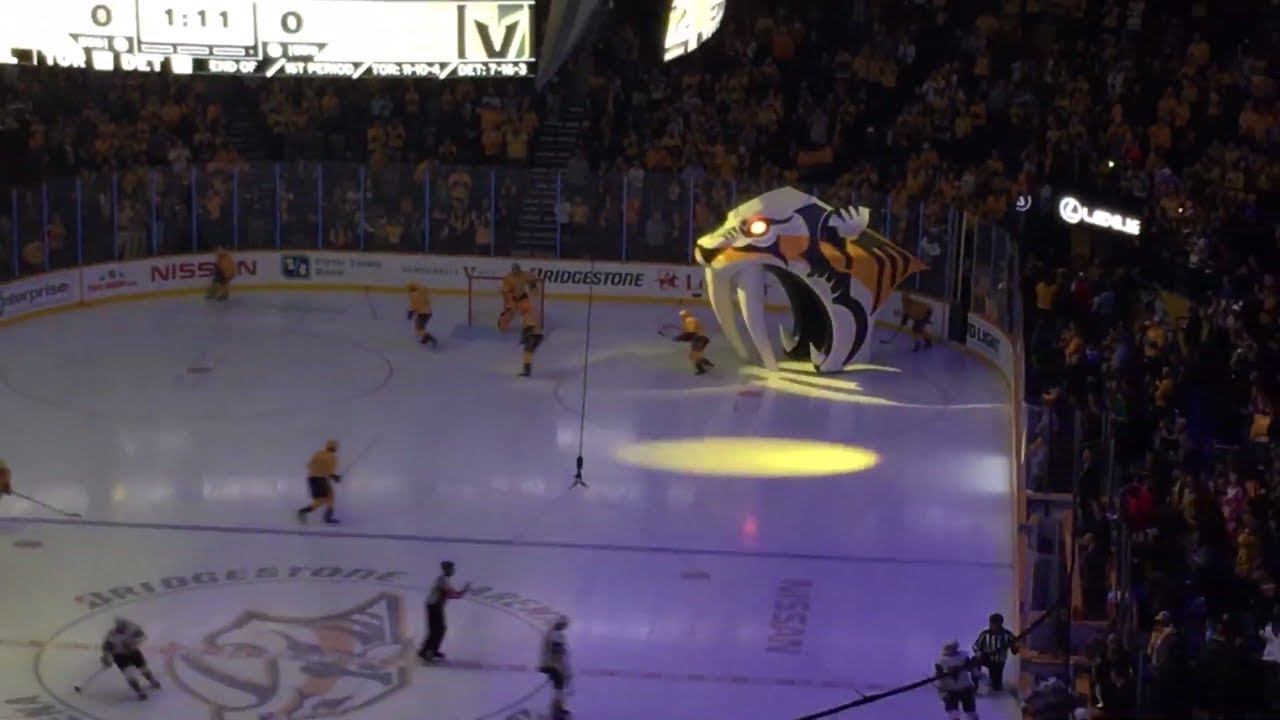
992,649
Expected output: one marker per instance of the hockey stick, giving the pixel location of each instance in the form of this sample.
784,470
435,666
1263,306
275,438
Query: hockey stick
47,506
91,678
892,337
669,331
361,455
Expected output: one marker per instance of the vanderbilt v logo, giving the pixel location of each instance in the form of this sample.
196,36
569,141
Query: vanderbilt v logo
495,31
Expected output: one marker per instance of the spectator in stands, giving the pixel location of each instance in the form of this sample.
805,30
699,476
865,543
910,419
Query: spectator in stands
1117,696
1271,658
1164,660
1094,580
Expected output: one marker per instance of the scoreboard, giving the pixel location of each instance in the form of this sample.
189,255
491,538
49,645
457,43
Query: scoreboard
275,38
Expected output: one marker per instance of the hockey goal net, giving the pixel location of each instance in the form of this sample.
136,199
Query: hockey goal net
484,301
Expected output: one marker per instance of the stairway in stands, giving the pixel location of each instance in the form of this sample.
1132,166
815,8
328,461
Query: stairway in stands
245,132
553,147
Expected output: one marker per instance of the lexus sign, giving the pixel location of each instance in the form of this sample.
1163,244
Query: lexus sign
1074,212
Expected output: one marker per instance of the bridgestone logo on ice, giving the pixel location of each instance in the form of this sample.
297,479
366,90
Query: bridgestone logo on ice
597,278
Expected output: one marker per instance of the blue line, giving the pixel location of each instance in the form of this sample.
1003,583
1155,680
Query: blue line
542,544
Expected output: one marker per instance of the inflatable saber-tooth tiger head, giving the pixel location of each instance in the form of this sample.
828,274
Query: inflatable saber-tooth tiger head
836,275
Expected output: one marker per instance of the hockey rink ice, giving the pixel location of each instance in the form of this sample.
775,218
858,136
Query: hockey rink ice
713,569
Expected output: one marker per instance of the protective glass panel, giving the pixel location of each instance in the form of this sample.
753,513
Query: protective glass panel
28,219
342,214
299,205
663,217
62,222
216,221
98,217
459,209
256,218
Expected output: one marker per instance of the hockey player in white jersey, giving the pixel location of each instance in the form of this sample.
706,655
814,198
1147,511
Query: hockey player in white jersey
956,682
553,662
122,647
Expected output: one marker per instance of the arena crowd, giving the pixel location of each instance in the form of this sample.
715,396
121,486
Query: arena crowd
1165,348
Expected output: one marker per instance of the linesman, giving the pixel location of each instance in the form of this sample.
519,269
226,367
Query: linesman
992,649
442,591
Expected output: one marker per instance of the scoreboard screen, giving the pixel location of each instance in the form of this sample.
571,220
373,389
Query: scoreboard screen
276,38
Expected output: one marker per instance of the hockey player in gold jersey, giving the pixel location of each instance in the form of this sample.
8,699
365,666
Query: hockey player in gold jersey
920,314
530,339
322,473
516,286
420,313
224,269
691,332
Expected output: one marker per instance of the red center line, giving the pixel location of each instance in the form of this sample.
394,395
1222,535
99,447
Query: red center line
171,649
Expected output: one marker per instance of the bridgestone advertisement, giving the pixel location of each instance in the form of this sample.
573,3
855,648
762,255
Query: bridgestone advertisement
591,278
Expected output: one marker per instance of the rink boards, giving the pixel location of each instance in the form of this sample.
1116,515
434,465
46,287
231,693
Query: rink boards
377,272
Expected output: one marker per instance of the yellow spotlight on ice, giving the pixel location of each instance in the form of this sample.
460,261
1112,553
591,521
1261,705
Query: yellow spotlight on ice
757,228
747,457
808,369
815,386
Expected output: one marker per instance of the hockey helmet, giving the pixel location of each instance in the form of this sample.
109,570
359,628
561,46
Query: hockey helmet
331,446
951,647
414,286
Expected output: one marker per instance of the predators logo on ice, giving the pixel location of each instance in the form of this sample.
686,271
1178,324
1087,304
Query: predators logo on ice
836,275
263,666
